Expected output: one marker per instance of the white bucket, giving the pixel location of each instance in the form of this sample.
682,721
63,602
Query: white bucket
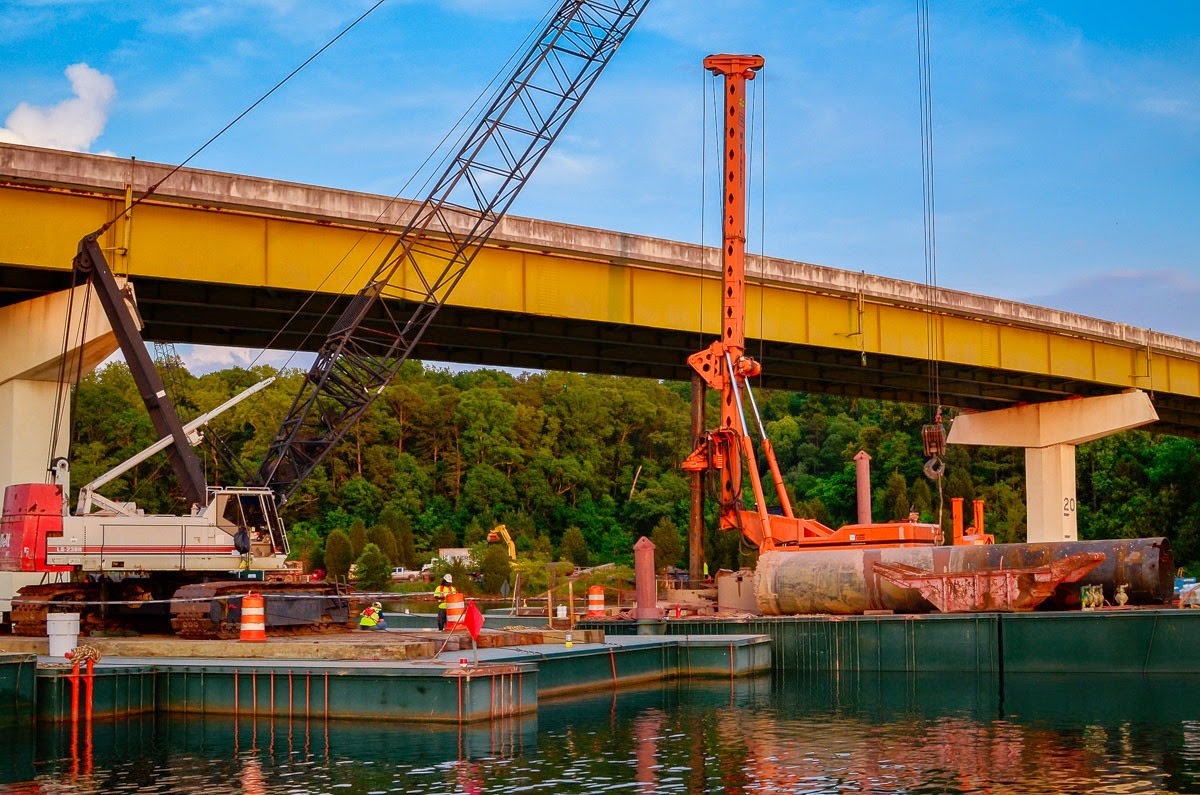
63,631
560,611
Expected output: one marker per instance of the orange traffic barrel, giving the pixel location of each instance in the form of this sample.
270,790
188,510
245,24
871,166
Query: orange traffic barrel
596,600
456,609
254,619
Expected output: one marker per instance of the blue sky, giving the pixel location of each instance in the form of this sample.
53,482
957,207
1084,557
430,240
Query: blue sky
1066,134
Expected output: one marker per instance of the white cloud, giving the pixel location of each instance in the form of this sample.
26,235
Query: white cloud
201,359
72,124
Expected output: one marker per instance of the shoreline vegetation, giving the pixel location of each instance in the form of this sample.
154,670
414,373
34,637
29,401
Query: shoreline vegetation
580,466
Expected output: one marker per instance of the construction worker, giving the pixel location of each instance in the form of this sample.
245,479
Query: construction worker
372,618
442,592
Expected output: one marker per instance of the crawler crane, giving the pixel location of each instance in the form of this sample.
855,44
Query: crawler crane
118,564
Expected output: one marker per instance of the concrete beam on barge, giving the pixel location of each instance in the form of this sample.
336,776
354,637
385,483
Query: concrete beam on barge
507,682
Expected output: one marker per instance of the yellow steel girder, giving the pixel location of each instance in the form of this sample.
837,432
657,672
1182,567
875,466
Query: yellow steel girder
39,228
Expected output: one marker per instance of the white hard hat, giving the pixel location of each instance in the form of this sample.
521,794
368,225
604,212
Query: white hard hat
449,578
377,606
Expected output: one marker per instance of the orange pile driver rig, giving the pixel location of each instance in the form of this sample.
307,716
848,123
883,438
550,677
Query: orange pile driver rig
899,566
724,365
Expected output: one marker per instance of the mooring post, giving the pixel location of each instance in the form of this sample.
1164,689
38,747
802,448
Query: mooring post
646,613
862,481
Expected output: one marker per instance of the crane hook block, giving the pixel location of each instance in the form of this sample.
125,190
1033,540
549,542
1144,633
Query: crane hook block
934,439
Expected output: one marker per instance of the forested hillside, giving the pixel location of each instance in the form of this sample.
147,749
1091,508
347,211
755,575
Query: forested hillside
581,466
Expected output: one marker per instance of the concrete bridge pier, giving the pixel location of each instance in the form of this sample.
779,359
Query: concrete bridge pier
31,358
1049,432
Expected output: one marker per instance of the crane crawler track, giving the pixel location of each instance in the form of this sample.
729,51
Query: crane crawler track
212,610
197,611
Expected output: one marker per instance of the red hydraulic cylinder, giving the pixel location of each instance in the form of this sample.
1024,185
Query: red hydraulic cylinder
956,517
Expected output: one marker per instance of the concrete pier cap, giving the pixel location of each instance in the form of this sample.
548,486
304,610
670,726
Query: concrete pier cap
1049,432
32,373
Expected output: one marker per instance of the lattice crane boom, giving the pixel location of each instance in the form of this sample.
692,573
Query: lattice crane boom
383,323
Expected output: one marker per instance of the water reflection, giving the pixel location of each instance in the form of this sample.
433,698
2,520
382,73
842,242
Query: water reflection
816,734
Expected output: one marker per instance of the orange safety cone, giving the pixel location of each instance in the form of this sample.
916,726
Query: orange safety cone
596,600
456,610
254,620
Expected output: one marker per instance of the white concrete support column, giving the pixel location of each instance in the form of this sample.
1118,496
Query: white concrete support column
31,352
1049,432
1050,494
26,428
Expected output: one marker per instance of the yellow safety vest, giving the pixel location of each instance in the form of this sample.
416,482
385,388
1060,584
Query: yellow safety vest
441,592
370,617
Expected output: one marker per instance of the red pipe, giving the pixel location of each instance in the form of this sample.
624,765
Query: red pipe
73,678
87,693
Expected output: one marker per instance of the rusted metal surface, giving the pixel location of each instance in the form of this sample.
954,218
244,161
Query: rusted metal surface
33,602
995,590
845,582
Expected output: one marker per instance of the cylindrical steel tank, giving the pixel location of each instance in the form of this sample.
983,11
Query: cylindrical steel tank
843,581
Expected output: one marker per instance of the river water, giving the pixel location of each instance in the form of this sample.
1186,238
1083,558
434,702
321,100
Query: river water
815,734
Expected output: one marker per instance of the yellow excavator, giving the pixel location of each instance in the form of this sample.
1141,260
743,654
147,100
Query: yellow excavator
500,533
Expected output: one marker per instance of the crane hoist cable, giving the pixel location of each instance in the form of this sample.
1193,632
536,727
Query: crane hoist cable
128,210
153,188
933,435
462,126
758,116
384,322
64,362
928,203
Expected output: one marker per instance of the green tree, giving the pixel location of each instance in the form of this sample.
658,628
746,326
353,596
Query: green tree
400,527
361,499
573,547
306,546
358,537
668,547
495,568
892,499
374,569
444,537
339,554
383,538
600,454
486,492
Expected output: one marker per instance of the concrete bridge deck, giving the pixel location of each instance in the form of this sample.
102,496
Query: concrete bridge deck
225,259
